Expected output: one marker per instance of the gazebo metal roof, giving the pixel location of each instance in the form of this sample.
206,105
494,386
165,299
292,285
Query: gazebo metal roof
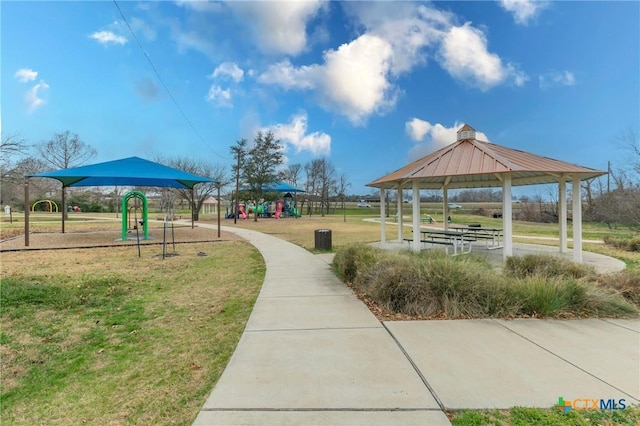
470,163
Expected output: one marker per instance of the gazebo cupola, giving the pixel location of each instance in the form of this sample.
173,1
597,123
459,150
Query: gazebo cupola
466,132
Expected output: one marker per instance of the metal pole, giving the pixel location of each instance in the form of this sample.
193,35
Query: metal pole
219,206
193,202
26,212
235,207
64,208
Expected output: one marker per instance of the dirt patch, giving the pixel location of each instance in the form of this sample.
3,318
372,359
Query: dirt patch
108,236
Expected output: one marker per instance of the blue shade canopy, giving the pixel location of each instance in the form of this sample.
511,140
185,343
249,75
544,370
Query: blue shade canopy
132,171
282,187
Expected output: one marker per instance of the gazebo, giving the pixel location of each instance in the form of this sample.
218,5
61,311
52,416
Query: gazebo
470,163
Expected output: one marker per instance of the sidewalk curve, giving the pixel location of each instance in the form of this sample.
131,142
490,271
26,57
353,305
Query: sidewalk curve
312,353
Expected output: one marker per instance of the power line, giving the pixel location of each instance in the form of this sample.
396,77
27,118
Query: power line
155,70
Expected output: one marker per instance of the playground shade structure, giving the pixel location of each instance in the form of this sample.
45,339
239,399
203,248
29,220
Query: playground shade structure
132,171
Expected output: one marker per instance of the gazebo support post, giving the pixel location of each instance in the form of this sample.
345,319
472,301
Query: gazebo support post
399,220
576,194
383,217
507,224
445,207
416,216
562,213
26,212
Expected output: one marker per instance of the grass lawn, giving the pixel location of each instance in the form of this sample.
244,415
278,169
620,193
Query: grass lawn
102,336
545,417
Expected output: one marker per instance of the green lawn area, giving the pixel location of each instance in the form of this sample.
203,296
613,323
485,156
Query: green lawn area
102,336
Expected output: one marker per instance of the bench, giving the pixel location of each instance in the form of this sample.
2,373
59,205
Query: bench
446,240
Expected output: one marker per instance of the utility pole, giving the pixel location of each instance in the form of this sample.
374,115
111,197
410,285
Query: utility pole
238,151
235,206
608,176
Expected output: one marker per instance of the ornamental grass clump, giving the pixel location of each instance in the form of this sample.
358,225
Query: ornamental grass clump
546,266
629,244
352,259
433,284
626,283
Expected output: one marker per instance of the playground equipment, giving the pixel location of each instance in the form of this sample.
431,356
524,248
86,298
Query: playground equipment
279,206
241,210
50,203
126,213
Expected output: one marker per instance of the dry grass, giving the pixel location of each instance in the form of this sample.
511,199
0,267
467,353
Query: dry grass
301,231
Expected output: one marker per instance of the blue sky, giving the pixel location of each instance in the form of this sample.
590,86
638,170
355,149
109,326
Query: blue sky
369,85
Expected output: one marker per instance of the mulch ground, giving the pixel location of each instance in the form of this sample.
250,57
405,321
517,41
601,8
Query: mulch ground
98,237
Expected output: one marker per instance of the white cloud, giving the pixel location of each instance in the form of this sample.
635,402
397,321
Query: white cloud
417,128
33,97
25,75
353,78
219,96
356,80
523,11
564,78
295,134
431,137
288,76
228,69
279,27
410,30
106,37
464,55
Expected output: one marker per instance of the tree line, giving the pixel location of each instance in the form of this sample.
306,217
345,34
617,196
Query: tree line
256,166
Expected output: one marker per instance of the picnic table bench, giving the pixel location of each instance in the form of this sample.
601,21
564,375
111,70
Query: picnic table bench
492,236
456,239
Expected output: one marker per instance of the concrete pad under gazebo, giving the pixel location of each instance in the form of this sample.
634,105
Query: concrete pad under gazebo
470,163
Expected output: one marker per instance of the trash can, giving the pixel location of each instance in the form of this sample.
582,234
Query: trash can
323,239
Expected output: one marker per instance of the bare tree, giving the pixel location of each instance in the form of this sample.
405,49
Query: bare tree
10,146
13,182
65,150
321,183
201,191
342,187
291,174
629,142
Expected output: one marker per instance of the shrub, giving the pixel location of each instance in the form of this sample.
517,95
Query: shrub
546,266
432,283
354,258
630,244
397,284
626,283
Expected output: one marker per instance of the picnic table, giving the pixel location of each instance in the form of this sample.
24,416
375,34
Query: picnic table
456,239
492,236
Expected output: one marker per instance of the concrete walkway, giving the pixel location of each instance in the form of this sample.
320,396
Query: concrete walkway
312,353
